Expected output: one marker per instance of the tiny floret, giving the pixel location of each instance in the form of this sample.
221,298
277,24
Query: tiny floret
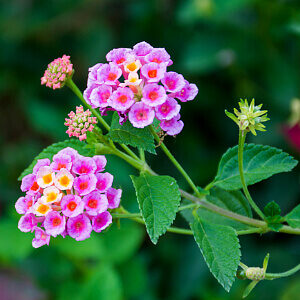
250,117
58,72
69,195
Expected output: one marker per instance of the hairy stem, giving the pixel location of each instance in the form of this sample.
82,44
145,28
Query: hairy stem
175,162
242,137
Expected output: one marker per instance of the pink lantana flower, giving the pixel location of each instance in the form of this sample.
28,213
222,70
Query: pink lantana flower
104,181
29,184
141,115
113,197
99,96
95,203
109,73
173,82
61,161
119,56
80,123
27,223
100,161
84,165
168,110
69,193
58,72
41,238
159,55
79,228
145,76
187,93
64,180
24,204
101,221
142,49
154,94
72,205
45,177
54,223
41,163
121,99
84,184
153,72
173,126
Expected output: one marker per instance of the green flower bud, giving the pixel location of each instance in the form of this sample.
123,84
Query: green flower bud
250,117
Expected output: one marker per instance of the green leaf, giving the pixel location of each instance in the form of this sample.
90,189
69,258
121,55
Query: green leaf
260,162
220,248
234,201
293,218
129,135
272,212
50,151
159,199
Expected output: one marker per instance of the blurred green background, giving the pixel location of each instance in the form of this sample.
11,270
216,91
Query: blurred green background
230,49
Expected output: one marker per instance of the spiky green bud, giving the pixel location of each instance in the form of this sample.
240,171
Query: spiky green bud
250,117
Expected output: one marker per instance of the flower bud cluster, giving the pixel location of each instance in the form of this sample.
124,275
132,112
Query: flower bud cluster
58,72
250,117
69,196
79,123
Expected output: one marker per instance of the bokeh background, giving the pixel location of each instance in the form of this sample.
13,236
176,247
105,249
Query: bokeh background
231,49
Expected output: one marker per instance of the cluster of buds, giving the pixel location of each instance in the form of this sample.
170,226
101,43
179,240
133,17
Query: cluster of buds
135,83
250,117
79,123
57,73
68,196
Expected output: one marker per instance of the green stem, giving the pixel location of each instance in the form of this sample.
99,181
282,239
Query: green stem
175,162
137,218
242,137
70,83
126,216
250,231
142,154
187,206
271,276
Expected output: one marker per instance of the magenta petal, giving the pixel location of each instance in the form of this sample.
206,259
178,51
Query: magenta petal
79,228
101,221
113,197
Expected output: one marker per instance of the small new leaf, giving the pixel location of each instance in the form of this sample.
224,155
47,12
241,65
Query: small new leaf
129,135
272,213
220,248
50,151
159,199
293,218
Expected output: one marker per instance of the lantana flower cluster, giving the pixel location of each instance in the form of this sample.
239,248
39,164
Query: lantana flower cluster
135,83
57,73
69,196
80,123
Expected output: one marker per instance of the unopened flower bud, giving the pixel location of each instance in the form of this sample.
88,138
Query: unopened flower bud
250,117
58,72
